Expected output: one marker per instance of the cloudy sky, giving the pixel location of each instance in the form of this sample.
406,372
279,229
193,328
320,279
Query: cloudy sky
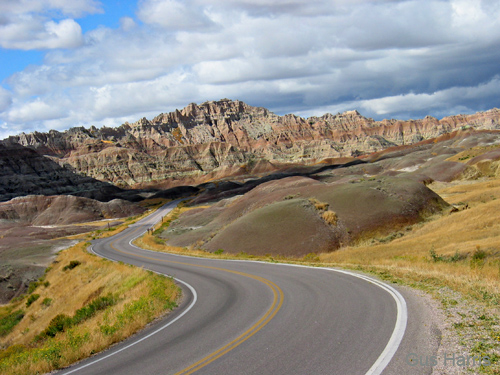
88,62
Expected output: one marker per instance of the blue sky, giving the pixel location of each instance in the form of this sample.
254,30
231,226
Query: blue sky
89,62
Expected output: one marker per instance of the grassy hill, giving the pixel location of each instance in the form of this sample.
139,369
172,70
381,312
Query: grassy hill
82,305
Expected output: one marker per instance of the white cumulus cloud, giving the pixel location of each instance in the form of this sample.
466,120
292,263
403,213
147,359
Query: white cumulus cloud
27,24
386,58
31,34
5,99
173,14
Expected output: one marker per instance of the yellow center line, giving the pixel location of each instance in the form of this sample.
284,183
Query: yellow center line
263,321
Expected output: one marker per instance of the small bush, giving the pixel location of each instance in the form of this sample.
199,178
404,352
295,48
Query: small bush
47,301
33,285
58,324
93,307
446,258
32,298
478,255
158,241
62,322
320,206
219,251
72,264
330,217
7,323
478,258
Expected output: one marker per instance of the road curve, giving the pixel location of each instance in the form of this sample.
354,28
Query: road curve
244,317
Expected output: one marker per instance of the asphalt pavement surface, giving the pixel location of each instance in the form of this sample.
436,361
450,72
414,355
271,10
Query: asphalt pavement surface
246,317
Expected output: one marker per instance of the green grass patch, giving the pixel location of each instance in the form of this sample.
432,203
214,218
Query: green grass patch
33,285
9,321
72,264
446,258
32,298
63,322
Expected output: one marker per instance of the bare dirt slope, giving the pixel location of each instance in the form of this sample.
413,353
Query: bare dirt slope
64,209
32,231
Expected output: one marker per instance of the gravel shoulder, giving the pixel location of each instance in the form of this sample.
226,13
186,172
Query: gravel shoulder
445,331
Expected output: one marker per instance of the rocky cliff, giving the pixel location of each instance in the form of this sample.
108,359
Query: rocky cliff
23,171
220,138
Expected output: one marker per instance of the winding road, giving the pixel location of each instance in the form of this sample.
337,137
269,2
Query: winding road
245,317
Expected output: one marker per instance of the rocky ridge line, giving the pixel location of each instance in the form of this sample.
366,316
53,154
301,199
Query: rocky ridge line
226,137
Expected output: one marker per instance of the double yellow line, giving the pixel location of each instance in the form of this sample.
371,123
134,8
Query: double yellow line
266,318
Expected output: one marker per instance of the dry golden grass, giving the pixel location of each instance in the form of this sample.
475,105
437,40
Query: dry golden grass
141,297
330,217
464,156
454,237
320,206
457,252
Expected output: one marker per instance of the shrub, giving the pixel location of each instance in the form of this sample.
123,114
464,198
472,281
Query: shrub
7,323
446,258
330,217
478,258
33,285
320,206
32,299
93,307
72,264
59,323
62,322
478,255
158,241
47,301
219,251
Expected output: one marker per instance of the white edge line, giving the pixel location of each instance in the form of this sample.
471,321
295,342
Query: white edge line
378,366
195,298
399,327
401,317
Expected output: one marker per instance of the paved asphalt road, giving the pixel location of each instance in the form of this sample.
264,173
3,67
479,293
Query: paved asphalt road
240,317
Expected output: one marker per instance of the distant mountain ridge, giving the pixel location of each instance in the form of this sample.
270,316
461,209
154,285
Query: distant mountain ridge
228,137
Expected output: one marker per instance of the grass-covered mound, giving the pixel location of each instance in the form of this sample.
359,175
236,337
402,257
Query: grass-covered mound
298,215
81,306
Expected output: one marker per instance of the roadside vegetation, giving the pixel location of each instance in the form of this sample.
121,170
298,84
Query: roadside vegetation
82,305
455,257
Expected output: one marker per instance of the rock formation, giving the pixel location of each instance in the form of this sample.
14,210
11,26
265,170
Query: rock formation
23,171
222,138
